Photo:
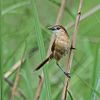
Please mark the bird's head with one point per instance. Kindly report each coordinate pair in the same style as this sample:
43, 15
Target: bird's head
57, 29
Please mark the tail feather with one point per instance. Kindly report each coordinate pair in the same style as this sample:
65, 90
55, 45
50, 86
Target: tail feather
44, 62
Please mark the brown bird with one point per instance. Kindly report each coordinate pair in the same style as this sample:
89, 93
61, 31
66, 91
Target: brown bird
60, 47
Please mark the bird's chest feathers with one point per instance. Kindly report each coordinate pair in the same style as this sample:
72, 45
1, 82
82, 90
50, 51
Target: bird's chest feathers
62, 41
61, 46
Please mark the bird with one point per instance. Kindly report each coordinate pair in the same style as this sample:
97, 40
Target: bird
60, 47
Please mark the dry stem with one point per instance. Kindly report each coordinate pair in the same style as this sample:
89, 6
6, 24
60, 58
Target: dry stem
14, 88
13, 69
18, 92
15, 84
16, 66
69, 62
61, 11
39, 88
87, 14
10, 72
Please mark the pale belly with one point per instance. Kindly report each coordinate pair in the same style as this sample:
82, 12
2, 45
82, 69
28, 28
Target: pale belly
62, 47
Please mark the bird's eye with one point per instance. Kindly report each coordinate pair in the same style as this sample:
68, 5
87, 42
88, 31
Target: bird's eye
58, 28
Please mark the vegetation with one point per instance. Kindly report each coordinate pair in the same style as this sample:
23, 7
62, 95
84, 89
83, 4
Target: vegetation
25, 41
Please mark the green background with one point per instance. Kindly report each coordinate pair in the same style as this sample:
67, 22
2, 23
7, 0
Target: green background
24, 29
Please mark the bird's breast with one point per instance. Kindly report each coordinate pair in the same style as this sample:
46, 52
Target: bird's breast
62, 45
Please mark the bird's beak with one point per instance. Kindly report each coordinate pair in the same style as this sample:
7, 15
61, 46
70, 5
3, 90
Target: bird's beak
51, 28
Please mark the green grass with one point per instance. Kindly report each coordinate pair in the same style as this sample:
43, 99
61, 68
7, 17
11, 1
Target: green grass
24, 23
1, 68
96, 73
37, 31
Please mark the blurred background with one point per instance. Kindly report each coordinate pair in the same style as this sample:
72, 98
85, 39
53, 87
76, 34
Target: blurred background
24, 21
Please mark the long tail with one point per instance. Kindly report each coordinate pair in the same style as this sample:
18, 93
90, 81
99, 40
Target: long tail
44, 62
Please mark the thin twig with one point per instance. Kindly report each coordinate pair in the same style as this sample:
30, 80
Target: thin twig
15, 84
90, 12
67, 9
18, 64
18, 92
10, 72
13, 69
60, 14
39, 88
14, 88
87, 14
69, 62
61, 11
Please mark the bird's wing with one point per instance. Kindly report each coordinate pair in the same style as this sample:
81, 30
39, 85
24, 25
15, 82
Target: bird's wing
53, 46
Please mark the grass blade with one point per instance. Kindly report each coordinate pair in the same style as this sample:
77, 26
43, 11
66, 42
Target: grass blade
85, 83
40, 42
1, 69
95, 73
7, 10
70, 95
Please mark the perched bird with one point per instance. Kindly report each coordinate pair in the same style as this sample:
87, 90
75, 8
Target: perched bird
60, 47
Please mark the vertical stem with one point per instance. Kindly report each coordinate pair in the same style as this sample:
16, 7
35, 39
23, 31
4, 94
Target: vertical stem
71, 53
38, 92
14, 88
61, 11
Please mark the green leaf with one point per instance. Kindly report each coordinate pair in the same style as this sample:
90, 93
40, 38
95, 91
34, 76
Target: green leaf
70, 95
39, 37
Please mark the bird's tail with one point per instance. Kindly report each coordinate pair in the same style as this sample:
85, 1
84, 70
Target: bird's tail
44, 62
